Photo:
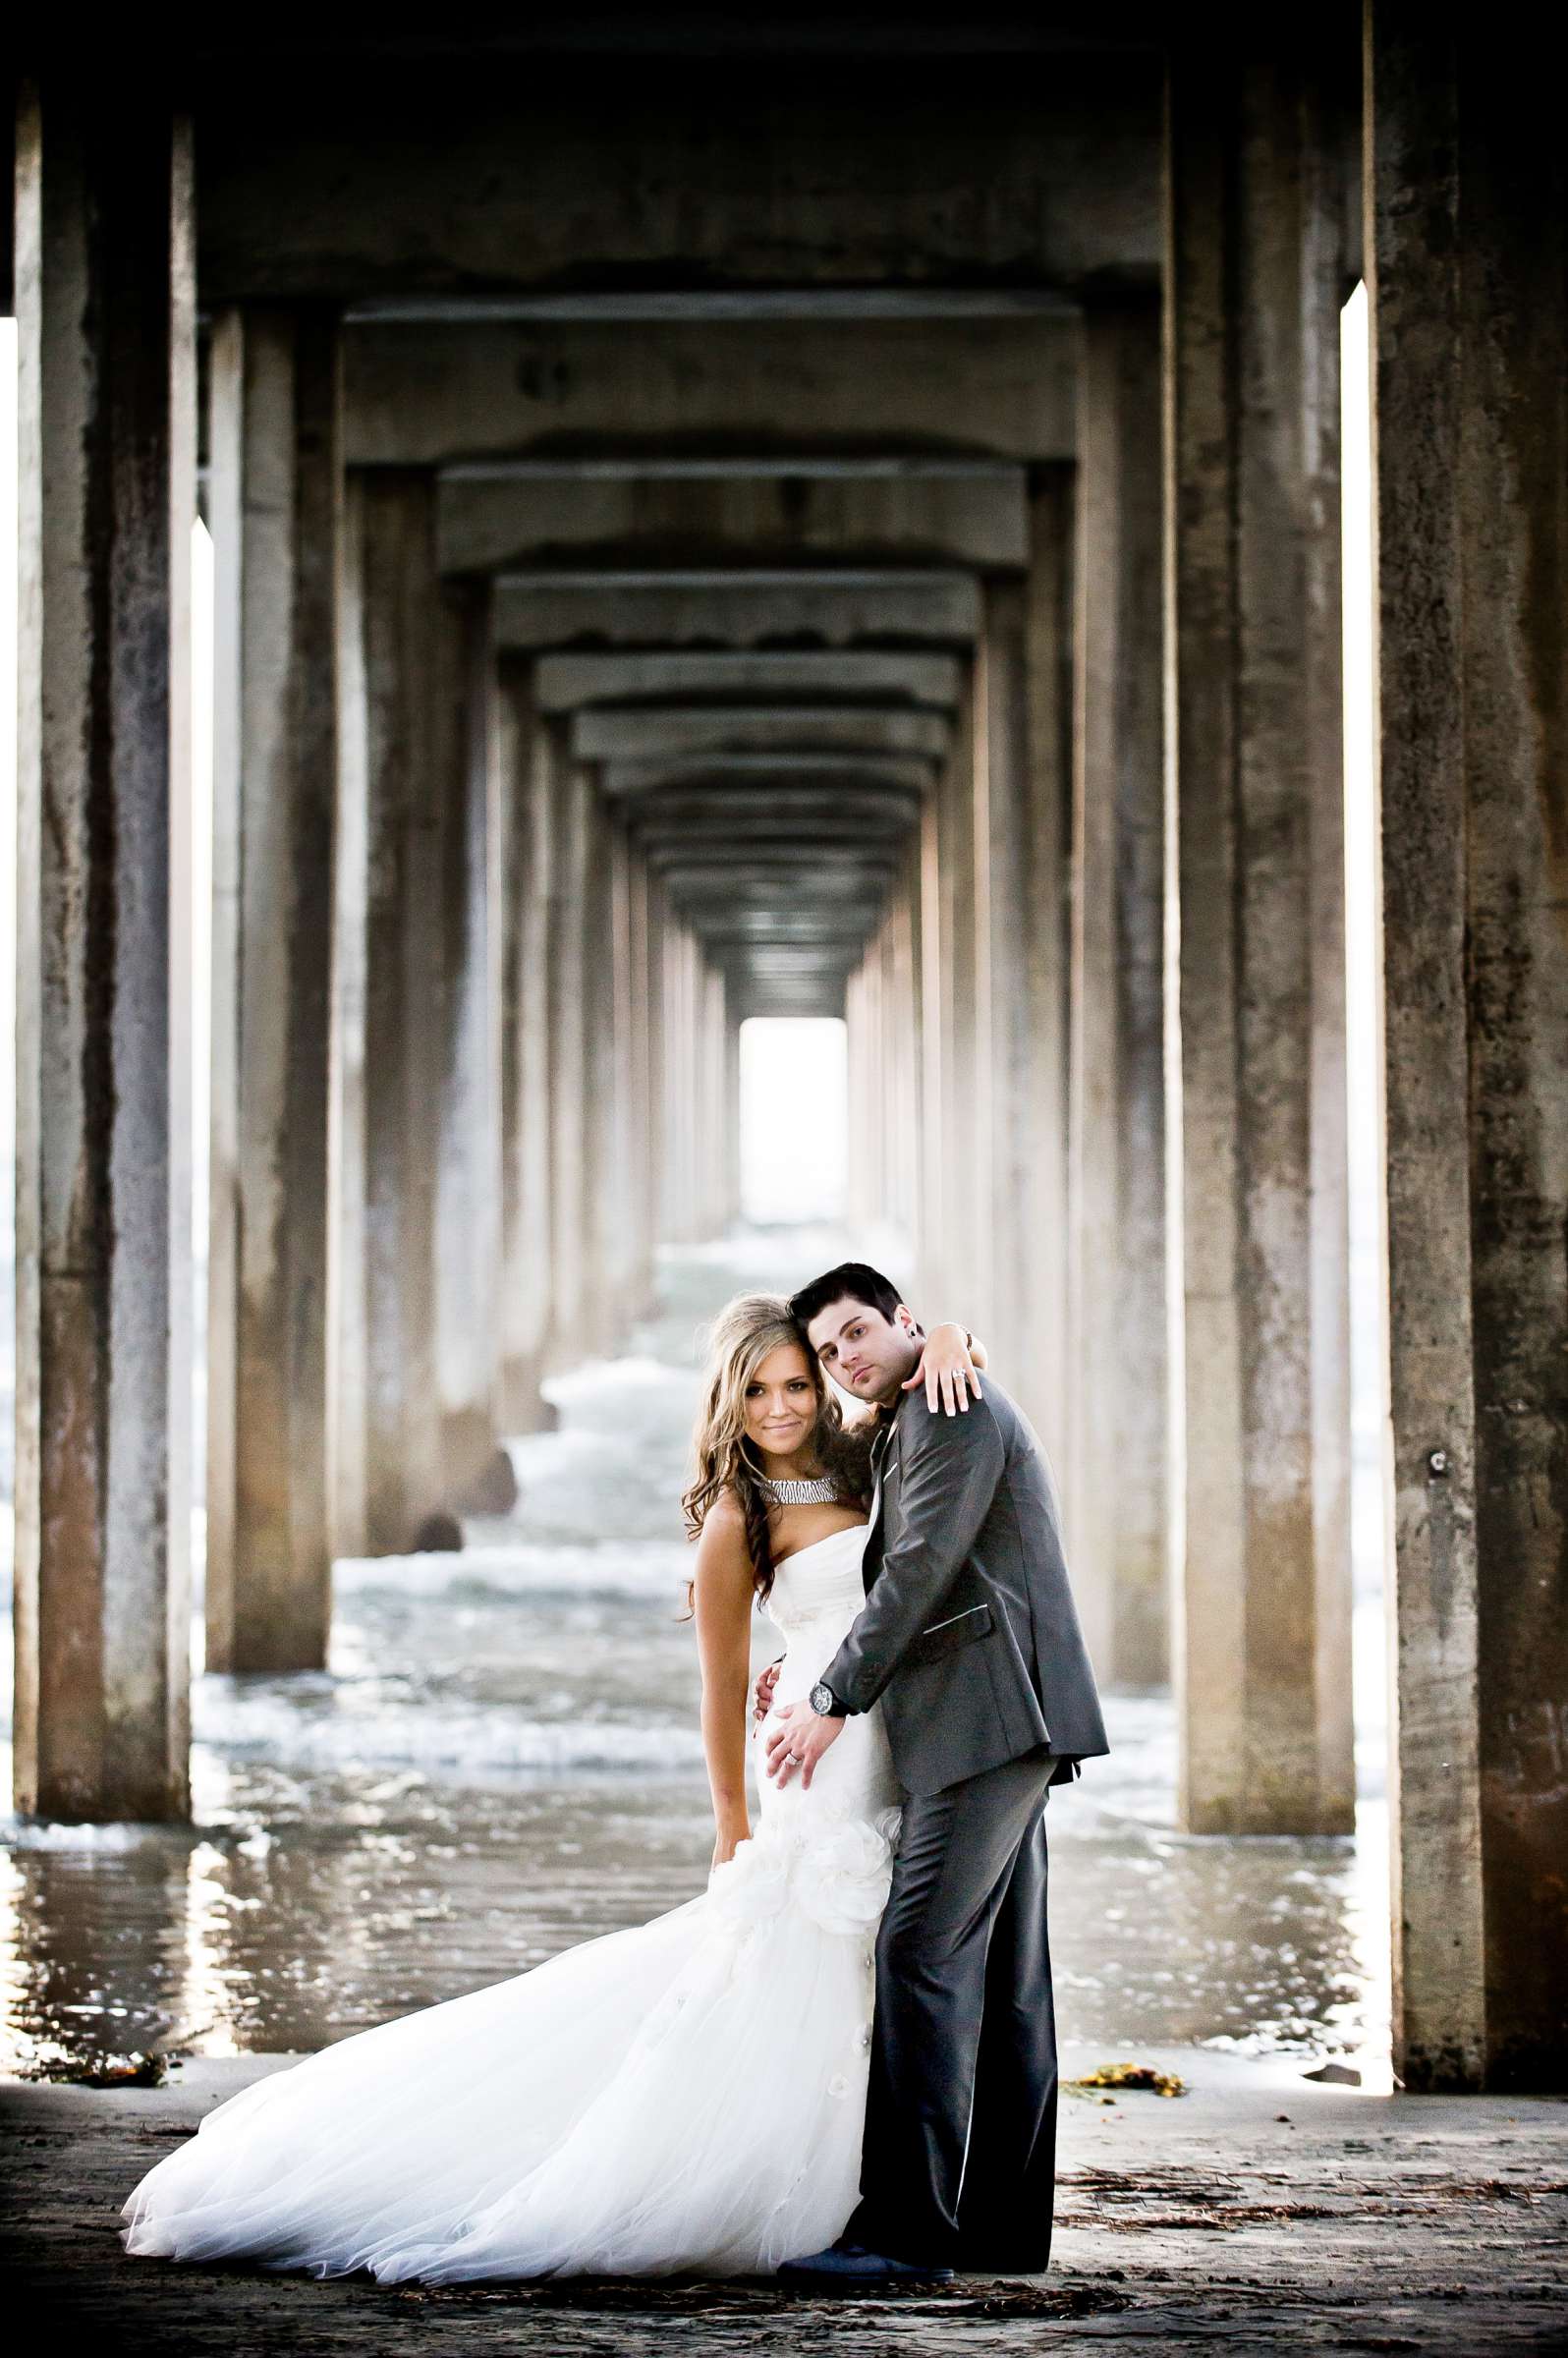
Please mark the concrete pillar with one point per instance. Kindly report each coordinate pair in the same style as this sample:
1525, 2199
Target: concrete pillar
859, 1192
346, 1338
1007, 1047
678, 1170
906, 962
642, 920
276, 507
1048, 729
413, 653
468, 1240
566, 969
656, 1116
715, 1150
628, 1170
605, 1172
732, 1113
106, 445
932, 935
525, 763
1464, 264
955, 1270
1254, 818
1118, 1407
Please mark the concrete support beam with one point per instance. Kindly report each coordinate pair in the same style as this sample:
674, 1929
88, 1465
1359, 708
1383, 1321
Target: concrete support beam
692, 733
757, 609
276, 513
1117, 1471
767, 778
1470, 349
1254, 815
567, 682
495, 516
428, 393
413, 665
106, 502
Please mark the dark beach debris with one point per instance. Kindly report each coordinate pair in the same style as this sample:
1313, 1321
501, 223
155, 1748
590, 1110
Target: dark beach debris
98, 2069
752, 2299
1121, 2076
1335, 2075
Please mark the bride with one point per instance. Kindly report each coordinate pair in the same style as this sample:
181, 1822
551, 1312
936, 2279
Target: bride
687, 2095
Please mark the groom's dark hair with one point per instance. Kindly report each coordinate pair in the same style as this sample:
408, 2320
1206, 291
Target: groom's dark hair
851, 1281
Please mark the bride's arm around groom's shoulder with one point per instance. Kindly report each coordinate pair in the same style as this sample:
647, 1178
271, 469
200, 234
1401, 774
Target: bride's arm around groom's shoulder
949, 1470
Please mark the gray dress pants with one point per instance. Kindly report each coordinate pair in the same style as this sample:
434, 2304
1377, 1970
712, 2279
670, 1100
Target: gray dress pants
957, 2167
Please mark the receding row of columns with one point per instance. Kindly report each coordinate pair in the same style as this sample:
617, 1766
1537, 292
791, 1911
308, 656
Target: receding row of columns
461, 1024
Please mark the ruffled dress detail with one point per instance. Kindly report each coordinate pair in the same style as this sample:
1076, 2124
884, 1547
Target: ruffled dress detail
683, 2096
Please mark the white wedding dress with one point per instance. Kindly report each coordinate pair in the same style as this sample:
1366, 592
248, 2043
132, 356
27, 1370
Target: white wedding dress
685, 2094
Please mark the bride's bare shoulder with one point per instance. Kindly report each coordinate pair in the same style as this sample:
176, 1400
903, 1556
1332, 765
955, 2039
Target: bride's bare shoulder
726, 1512
724, 1524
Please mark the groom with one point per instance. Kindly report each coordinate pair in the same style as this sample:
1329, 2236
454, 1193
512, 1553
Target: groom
969, 1641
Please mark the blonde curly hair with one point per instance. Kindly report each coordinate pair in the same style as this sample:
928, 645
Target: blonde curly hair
744, 1333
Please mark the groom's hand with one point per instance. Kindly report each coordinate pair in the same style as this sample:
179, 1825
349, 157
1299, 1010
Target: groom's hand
766, 1681
799, 1740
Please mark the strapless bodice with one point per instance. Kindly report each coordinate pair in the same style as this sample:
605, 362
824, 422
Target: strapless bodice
820, 1582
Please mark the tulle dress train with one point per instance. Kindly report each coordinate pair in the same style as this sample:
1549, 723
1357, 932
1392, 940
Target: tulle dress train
687, 2095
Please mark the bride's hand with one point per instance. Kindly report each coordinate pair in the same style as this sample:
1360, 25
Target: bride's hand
946, 1368
728, 1840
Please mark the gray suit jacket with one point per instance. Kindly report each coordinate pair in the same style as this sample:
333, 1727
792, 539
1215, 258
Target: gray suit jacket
968, 1634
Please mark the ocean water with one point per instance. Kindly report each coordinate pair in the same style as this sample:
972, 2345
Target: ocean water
503, 1758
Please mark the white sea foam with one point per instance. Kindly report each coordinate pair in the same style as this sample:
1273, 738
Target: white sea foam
21, 1833
642, 1568
261, 1723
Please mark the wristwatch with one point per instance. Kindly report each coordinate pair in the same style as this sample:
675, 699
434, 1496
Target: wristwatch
826, 1702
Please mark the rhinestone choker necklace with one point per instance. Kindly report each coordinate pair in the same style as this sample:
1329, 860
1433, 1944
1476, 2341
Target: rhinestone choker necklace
810, 1489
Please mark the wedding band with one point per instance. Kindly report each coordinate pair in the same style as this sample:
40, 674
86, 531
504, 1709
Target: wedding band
794, 1759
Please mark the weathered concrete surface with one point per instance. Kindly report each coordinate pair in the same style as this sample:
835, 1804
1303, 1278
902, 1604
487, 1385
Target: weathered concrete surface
568, 958
755, 608
693, 732
106, 502
276, 510
433, 392
497, 515
786, 173
1048, 657
1117, 1471
348, 1338
1203, 2223
564, 682
414, 675
1471, 454
1252, 290
525, 1052
468, 1209
777, 773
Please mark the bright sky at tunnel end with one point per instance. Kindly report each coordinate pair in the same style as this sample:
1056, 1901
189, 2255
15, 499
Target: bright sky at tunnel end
794, 1118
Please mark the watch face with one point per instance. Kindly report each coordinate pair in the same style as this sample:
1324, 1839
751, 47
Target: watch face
822, 1700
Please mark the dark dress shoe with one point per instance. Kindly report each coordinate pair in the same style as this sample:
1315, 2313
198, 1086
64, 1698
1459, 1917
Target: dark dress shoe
850, 2265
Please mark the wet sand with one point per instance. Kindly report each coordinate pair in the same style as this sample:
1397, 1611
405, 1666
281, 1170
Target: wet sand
1204, 2224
